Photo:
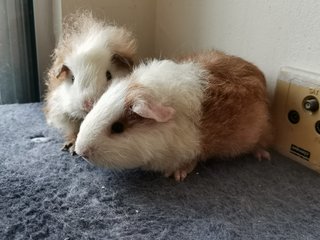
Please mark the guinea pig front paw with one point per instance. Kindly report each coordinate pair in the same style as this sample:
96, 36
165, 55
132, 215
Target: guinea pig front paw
69, 146
262, 154
181, 173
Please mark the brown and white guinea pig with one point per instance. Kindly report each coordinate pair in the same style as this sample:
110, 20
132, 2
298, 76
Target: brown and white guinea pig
89, 55
169, 115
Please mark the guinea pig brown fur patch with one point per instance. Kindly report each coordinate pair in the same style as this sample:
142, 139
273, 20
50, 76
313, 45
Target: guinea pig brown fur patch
232, 86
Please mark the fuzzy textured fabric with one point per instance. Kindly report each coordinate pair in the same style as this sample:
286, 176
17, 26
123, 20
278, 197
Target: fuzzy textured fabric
48, 194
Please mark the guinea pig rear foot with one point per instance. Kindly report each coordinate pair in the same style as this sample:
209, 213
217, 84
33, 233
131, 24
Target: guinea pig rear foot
262, 154
180, 174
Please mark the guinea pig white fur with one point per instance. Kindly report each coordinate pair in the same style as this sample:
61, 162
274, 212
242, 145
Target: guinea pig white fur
89, 55
169, 115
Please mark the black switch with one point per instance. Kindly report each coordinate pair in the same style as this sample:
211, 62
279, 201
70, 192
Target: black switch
311, 104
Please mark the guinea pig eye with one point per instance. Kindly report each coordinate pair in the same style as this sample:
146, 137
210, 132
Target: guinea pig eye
117, 127
108, 75
72, 78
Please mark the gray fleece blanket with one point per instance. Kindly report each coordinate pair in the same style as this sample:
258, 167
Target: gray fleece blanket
48, 194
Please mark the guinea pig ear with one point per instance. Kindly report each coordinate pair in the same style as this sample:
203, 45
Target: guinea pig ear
153, 110
63, 71
122, 61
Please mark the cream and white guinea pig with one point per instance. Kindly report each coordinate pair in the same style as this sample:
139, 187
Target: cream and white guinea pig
89, 55
166, 116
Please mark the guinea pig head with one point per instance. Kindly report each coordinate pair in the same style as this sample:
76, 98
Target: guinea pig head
94, 58
127, 128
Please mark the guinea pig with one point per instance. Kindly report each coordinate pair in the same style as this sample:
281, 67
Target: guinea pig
169, 115
89, 55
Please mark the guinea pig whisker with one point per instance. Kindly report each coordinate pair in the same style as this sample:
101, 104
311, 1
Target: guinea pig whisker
87, 161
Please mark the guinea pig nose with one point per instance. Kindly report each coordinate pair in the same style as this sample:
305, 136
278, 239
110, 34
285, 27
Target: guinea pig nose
87, 105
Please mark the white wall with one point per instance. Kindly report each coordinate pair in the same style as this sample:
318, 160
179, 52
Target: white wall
137, 15
270, 33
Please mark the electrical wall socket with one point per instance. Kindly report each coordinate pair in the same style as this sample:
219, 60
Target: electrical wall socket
296, 116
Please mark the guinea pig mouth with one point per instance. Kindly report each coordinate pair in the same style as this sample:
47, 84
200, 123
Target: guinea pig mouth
87, 154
